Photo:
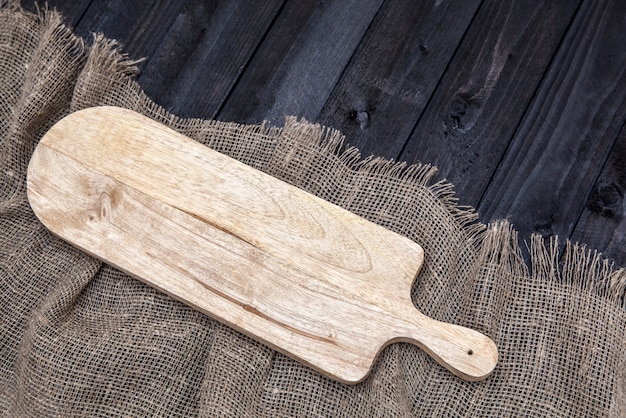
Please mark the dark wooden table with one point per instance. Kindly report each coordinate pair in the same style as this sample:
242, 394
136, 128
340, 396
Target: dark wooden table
521, 104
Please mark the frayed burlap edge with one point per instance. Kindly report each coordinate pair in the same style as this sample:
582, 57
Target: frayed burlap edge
575, 266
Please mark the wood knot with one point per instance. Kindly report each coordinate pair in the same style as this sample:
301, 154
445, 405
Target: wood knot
360, 116
606, 199
107, 202
458, 107
457, 110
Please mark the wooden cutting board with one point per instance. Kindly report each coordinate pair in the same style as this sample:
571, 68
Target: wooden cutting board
293, 271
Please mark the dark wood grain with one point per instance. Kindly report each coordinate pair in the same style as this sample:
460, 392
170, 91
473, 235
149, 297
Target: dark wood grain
487, 87
547, 174
300, 61
138, 25
602, 225
195, 49
394, 72
196, 66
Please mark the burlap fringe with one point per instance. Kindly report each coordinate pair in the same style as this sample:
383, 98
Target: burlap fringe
54, 29
574, 265
50, 20
580, 267
500, 247
106, 56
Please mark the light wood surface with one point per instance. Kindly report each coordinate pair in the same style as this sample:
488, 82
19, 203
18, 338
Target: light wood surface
295, 272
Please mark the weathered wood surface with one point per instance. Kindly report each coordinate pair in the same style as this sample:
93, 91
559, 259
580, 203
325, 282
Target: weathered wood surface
529, 94
73, 10
300, 274
205, 52
483, 94
602, 225
554, 159
392, 75
297, 76
137, 24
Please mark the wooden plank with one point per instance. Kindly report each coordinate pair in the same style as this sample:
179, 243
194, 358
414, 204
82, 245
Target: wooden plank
602, 225
485, 91
204, 53
288, 268
188, 71
138, 25
557, 153
71, 10
394, 72
300, 61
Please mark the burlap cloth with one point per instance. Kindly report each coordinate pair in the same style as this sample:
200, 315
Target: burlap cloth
79, 338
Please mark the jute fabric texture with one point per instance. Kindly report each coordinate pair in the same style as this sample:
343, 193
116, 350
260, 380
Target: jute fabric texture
79, 338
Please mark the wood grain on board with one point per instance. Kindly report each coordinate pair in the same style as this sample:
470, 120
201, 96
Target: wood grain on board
486, 89
392, 75
277, 263
548, 172
300, 60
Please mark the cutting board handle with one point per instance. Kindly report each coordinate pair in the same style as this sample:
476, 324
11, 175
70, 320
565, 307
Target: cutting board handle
467, 353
